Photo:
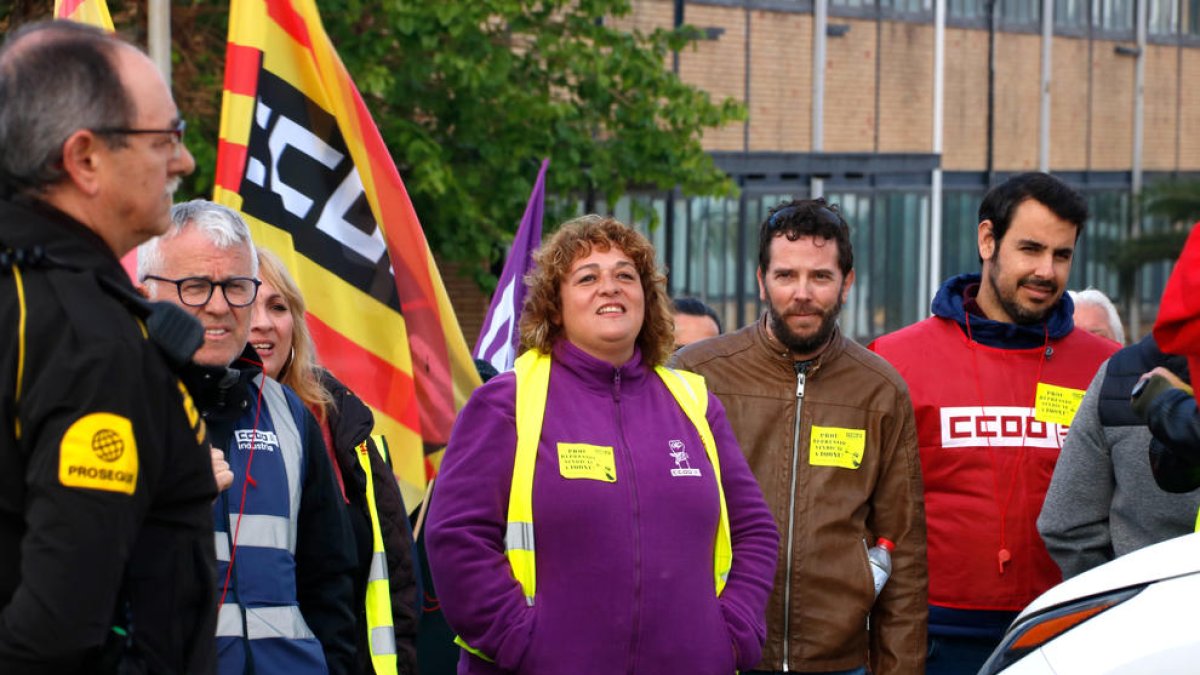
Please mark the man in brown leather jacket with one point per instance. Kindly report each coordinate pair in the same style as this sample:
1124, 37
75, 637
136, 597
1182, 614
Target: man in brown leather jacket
829, 432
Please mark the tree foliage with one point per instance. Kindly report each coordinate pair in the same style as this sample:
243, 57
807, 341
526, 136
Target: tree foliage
470, 95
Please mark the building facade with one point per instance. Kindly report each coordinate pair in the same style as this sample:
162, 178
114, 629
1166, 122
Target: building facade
906, 136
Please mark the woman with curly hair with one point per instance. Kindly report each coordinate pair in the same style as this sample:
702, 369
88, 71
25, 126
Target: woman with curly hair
594, 513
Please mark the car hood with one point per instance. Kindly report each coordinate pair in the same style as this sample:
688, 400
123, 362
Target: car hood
1171, 558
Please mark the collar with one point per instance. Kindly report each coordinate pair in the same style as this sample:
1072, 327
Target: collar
590, 369
224, 390
956, 299
67, 242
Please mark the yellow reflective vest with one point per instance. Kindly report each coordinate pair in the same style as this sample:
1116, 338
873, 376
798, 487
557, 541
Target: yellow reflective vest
532, 370
381, 634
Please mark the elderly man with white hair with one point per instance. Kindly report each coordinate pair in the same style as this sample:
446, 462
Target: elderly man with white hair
283, 541
1095, 313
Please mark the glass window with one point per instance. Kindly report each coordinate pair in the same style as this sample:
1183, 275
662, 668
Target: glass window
966, 9
1162, 17
1115, 15
1193, 17
1020, 11
1070, 14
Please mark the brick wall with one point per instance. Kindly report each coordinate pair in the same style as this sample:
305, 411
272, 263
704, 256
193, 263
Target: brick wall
850, 88
1161, 111
1189, 131
1068, 104
470, 304
780, 82
965, 108
1111, 108
905, 87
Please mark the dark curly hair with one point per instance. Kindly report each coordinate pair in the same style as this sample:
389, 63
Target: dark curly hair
541, 318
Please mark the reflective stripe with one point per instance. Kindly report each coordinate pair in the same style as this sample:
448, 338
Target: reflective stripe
383, 640
519, 537
378, 567
289, 439
221, 542
263, 622
378, 601
261, 531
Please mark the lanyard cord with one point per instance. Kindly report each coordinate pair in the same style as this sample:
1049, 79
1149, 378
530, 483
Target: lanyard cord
245, 484
1003, 555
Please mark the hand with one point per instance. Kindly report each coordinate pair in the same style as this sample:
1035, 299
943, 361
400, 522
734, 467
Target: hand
221, 471
1167, 375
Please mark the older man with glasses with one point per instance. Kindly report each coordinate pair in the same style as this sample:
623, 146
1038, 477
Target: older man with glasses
106, 481
284, 547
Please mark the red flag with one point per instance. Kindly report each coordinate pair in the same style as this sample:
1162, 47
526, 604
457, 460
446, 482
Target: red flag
301, 158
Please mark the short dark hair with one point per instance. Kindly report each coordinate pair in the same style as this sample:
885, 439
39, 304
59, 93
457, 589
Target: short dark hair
695, 307
56, 77
1001, 202
806, 217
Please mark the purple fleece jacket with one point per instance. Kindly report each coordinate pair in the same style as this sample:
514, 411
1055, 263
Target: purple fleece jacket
624, 568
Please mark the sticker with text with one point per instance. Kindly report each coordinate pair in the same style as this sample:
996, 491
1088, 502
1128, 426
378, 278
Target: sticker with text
587, 462
835, 446
1056, 404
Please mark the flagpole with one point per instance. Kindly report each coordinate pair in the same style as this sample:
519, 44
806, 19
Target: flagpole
158, 39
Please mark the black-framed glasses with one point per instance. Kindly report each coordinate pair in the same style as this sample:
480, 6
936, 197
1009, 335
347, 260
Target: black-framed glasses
197, 291
176, 131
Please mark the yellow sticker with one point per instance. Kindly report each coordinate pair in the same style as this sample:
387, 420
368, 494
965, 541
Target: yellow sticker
1057, 405
590, 462
835, 446
99, 452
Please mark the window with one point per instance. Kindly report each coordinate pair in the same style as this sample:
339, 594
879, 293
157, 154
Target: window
1070, 14
968, 9
1114, 15
1162, 17
1022, 12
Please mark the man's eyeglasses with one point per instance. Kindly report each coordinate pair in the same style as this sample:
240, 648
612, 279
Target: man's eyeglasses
176, 131
197, 291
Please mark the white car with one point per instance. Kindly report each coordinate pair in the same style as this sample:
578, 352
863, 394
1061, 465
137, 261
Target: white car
1136, 615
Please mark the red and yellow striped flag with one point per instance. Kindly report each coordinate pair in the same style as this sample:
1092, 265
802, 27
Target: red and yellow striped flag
301, 158
94, 12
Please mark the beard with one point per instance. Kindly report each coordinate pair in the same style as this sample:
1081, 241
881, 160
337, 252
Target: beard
800, 344
1007, 297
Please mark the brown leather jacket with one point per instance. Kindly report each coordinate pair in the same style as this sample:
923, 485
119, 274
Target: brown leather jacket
829, 497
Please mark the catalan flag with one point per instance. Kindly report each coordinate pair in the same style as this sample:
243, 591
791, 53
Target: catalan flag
94, 12
301, 158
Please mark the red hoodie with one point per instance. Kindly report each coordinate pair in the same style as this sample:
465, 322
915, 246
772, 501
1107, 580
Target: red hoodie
1177, 329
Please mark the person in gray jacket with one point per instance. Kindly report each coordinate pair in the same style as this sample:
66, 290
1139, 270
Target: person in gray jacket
1103, 501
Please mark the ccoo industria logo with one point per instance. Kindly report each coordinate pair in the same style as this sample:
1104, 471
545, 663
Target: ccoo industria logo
998, 427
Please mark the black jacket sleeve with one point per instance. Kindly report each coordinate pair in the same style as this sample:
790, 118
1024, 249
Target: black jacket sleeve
325, 558
1175, 450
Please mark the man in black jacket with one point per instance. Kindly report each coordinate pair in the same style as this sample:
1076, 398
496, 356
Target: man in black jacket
284, 548
106, 480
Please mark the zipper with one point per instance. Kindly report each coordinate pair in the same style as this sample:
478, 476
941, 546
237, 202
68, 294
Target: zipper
801, 375
635, 619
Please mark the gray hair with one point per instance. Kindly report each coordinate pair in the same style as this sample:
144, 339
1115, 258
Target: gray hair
56, 77
220, 224
1094, 297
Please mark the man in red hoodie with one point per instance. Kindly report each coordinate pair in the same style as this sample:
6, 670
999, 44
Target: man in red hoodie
996, 375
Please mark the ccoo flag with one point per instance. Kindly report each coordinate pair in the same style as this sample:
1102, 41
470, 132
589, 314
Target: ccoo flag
94, 12
498, 339
301, 158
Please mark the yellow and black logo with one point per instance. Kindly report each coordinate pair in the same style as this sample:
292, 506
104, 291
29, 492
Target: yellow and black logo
99, 452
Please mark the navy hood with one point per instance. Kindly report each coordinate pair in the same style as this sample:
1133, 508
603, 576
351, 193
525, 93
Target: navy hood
948, 304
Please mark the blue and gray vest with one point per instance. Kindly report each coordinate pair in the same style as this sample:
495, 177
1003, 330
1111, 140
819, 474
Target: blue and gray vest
260, 619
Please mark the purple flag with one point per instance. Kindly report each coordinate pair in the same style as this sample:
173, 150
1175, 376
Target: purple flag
498, 340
